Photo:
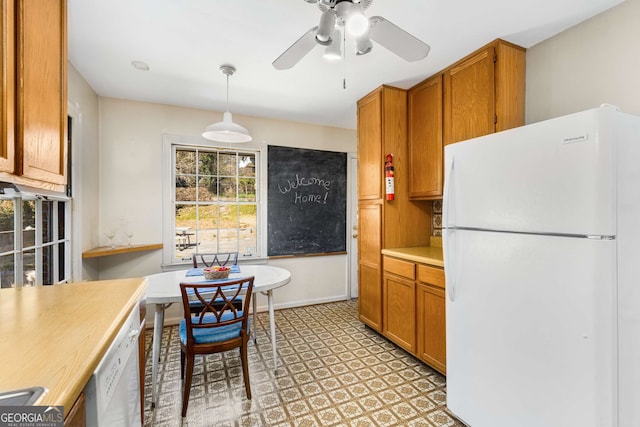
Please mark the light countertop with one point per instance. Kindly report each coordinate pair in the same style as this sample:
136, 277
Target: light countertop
55, 336
431, 255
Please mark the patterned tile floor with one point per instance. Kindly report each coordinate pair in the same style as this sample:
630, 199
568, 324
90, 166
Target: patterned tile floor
332, 371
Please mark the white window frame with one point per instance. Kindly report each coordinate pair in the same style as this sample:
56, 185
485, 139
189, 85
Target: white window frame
18, 198
170, 142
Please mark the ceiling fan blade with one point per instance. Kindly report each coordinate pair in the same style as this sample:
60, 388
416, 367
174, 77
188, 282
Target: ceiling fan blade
297, 50
397, 40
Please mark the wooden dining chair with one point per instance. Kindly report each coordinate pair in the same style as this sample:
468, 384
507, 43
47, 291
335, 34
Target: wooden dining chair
201, 260
217, 328
211, 259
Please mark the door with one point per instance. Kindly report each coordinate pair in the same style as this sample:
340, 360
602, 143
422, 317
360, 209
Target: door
530, 329
353, 226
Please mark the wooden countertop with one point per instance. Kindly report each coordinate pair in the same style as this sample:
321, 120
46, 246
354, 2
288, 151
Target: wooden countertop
431, 255
55, 336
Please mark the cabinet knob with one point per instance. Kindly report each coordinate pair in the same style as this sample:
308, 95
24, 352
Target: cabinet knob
355, 235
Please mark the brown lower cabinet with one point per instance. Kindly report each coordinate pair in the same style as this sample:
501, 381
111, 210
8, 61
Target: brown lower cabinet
76, 417
413, 309
431, 317
398, 293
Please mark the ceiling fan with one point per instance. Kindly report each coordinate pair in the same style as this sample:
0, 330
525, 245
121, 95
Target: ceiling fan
349, 14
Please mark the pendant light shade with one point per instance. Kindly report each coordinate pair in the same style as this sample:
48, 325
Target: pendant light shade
226, 130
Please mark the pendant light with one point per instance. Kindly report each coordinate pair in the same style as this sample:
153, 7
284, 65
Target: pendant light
226, 130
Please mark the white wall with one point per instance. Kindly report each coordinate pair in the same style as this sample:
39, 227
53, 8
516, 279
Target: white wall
131, 179
83, 107
595, 62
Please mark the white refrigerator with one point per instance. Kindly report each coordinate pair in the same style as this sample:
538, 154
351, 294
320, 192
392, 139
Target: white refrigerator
541, 240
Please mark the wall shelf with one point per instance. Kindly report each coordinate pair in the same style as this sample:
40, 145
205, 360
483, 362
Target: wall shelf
122, 249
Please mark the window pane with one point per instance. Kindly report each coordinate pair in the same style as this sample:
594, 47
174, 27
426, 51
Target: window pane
248, 229
7, 221
228, 230
185, 216
185, 188
208, 216
62, 271
207, 163
185, 226
208, 189
247, 189
228, 241
228, 189
185, 162
6, 271
61, 221
47, 265
227, 166
29, 267
247, 165
28, 224
47, 213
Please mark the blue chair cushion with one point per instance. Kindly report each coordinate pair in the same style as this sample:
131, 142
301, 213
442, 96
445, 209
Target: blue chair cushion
213, 335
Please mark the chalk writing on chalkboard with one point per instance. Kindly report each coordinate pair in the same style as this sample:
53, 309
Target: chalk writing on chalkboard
306, 201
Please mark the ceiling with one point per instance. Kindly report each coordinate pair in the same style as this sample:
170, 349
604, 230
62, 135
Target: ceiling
184, 42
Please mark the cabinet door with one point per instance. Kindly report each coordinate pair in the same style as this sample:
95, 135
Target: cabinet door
7, 84
370, 147
431, 329
425, 139
399, 308
470, 98
42, 93
76, 417
369, 265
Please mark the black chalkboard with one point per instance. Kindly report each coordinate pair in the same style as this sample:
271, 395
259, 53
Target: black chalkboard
307, 201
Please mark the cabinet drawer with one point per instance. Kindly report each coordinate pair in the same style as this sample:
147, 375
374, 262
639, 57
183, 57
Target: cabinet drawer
401, 268
432, 275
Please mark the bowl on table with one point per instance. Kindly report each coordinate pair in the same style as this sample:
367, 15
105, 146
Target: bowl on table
216, 273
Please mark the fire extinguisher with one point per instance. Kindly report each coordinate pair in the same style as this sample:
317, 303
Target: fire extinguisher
388, 177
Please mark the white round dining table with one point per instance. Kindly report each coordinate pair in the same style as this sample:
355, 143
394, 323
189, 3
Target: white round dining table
163, 289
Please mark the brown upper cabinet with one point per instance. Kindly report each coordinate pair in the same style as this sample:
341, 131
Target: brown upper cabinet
34, 113
370, 132
478, 95
425, 139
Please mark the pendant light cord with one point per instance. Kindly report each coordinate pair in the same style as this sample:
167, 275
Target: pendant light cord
227, 93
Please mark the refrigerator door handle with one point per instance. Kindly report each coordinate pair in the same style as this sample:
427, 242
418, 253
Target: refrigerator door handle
448, 232
450, 282
448, 178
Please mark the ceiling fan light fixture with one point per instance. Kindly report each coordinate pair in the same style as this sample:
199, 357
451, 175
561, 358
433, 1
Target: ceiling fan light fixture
357, 24
226, 130
326, 27
333, 52
363, 45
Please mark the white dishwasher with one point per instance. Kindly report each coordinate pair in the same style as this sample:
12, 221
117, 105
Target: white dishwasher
113, 392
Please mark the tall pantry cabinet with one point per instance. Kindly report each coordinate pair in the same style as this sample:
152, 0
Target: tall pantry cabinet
382, 130
33, 103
